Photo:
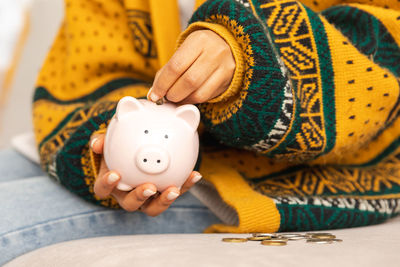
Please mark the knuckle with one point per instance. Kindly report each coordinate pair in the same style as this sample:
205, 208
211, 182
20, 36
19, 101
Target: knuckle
200, 97
220, 51
127, 205
140, 198
98, 192
191, 80
174, 67
202, 35
231, 66
225, 48
186, 187
172, 97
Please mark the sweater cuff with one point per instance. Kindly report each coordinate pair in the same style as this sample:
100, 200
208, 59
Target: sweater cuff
237, 52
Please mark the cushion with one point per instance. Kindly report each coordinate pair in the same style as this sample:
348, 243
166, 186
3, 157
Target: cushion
377, 245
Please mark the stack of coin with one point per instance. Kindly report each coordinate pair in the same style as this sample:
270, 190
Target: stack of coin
322, 238
281, 239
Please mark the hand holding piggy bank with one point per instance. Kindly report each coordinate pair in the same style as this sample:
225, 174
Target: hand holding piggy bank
150, 143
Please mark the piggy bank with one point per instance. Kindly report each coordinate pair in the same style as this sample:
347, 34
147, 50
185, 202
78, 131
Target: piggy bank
150, 143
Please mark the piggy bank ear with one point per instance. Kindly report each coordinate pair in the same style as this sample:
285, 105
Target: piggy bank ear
127, 105
190, 114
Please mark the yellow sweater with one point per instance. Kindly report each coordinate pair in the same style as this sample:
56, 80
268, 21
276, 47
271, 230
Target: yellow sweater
307, 135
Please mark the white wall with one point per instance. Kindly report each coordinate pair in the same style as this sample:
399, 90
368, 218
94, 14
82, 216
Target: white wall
45, 18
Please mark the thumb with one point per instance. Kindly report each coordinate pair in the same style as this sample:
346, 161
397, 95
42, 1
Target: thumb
97, 143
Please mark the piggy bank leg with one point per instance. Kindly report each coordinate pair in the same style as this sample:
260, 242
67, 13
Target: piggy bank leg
124, 187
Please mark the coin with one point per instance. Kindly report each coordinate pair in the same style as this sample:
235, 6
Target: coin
160, 101
292, 237
319, 241
279, 239
273, 243
323, 236
264, 235
258, 238
234, 240
311, 234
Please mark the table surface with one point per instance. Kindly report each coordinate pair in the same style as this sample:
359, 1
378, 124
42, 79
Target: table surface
377, 245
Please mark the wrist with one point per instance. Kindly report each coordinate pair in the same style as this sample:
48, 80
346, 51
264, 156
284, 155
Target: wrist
224, 33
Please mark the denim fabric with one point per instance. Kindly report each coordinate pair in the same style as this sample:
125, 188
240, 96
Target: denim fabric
36, 212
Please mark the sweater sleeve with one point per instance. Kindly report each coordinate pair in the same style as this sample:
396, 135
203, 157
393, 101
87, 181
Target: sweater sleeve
94, 61
308, 85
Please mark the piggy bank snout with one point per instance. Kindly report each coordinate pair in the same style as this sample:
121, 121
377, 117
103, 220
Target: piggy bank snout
152, 159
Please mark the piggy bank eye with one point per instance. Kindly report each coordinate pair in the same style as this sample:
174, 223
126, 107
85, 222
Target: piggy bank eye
146, 131
166, 136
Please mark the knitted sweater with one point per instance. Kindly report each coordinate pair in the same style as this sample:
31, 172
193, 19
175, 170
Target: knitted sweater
307, 135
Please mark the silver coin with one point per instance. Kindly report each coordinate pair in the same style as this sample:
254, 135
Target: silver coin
319, 234
258, 238
265, 235
319, 241
323, 241
293, 237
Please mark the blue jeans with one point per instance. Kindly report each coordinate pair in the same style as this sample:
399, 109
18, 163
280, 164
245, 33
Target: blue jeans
36, 212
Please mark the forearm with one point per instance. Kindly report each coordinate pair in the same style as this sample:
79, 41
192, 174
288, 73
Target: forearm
90, 66
305, 91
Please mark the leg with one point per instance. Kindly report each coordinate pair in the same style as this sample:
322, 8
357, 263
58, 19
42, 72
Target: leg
14, 166
37, 212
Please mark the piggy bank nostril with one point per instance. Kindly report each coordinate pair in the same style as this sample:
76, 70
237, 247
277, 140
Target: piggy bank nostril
152, 159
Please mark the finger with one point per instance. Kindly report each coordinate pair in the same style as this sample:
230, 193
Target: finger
103, 168
134, 199
198, 73
106, 183
183, 58
194, 177
97, 143
151, 88
161, 203
213, 87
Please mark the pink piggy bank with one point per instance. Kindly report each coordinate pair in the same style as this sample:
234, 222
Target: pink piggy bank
150, 143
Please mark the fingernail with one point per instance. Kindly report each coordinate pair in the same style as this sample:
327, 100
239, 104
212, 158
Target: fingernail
196, 178
148, 93
172, 195
152, 96
148, 192
94, 140
112, 178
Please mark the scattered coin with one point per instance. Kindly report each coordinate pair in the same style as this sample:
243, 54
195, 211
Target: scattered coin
321, 235
323, 241
265, 235
160, 101
293, 237
274, 239
258, 238
319, 241
234, 240
275, 242
281, 239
